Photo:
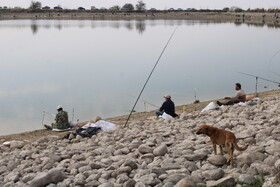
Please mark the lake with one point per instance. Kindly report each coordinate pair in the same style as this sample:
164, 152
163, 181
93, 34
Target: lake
98, 67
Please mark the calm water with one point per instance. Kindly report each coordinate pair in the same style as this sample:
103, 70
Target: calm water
99, 67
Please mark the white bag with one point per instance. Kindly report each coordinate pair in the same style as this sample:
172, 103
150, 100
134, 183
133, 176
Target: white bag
210, 106
165, 116
106, 126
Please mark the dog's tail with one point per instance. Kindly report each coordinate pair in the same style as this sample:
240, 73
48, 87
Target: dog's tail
239, 148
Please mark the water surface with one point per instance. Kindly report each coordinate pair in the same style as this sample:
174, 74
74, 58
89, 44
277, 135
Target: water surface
99, 67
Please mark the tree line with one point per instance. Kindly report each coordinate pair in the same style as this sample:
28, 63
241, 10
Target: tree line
36, 6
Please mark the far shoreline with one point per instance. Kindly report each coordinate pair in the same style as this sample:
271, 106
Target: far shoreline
237, 17
120, 120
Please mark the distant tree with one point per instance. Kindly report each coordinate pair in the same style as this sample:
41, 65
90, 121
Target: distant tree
35, 5
140, 6
116, 7
235, 9
238, 10
93, 8
81, 8
58, 7
226, 9
128, 7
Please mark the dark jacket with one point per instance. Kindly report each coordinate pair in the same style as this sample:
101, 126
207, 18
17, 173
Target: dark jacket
169, 108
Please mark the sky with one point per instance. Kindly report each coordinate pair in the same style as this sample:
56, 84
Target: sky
159, 4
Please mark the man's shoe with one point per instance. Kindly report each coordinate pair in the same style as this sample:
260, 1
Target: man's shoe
48, 127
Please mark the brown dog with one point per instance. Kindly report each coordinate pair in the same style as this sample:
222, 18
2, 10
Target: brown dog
222, 138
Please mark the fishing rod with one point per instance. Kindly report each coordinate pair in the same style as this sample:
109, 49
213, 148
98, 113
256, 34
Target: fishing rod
150, 75
45, 112
48, 113
73, 113
145, 101
43, 119
258, 77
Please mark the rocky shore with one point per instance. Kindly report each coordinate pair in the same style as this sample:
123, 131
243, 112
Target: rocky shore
154, 152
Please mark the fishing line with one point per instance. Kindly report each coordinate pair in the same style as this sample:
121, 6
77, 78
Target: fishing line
269, 63
257, 78
150, 76
278, 83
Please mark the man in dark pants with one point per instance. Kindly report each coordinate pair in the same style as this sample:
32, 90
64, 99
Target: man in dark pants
168, 107
239, 96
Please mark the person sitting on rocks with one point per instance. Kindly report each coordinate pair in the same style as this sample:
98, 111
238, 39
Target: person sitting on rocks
168, 107
61, 120
239, 96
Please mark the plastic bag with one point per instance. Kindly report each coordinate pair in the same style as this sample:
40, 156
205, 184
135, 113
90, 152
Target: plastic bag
106, 126
165, 116
210, 106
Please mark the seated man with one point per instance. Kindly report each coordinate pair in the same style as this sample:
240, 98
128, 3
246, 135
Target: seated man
168, 107
61, 120
239, 96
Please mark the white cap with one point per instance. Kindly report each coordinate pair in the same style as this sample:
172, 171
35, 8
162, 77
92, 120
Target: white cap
167, 96
59, 107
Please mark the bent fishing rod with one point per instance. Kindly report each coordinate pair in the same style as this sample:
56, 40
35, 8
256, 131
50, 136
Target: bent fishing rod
258, 77
150, 76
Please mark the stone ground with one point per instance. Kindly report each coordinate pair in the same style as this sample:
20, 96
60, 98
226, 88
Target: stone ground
154, 152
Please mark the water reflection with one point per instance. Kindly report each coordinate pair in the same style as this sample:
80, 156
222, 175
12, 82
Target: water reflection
263, 23
34, 27
139, 25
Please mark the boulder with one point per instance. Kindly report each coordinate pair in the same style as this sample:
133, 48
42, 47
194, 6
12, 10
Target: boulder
185, 183
195, 157
217, 160
277, 165
226, 181
247, 179
41, 180
170, 166
145, 149
131, 163
129, 183
213, 174
174, 178
17, 144
56, 175
160, 150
